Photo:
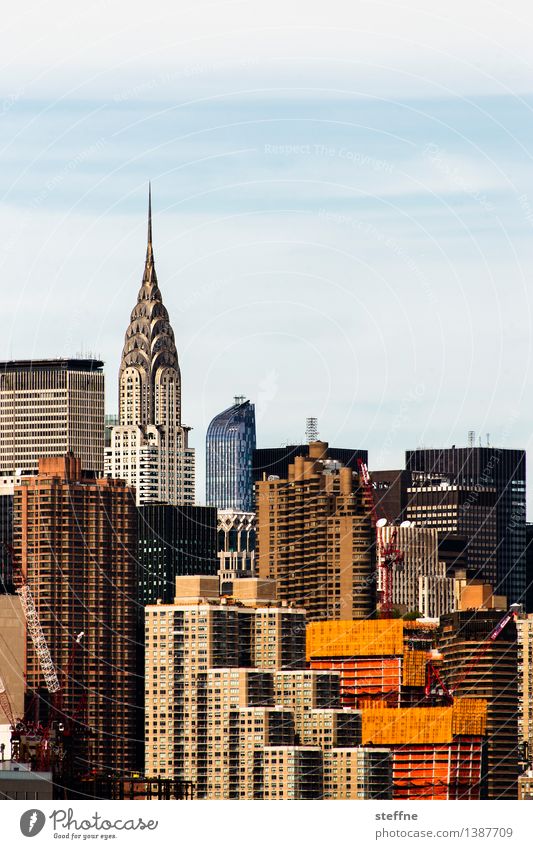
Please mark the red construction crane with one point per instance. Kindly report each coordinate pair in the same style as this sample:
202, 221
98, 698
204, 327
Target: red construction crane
389, 556
39, 733
5, 704
433, 675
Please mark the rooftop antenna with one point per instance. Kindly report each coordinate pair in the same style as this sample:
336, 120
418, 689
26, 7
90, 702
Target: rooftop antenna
488, 440
311, 429
471, 438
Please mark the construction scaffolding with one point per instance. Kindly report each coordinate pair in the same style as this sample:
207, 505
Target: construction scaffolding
359, 638
424, 724
414, 668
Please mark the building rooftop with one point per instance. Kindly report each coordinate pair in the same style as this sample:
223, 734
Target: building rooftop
70, 364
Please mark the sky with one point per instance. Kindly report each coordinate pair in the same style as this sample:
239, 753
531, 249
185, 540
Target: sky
343, 208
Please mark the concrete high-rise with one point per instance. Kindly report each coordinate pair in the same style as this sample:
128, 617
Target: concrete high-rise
315, 537
75, 539
483, 469
50, 407
524, 628
493, 678
149, 448
229, 447
423, 583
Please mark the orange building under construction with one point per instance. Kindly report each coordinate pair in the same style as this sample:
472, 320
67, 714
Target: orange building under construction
379, 660
438, 752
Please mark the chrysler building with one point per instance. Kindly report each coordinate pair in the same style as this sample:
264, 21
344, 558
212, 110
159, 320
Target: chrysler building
149, 447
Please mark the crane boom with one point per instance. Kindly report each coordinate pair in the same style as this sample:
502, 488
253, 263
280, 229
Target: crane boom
5, 704
34, 627
38, 639
433, 673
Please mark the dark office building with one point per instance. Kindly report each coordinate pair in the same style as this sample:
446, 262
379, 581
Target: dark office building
529, 567
6, 536
390, 493
457, 510
276, 461
505, 470
174, 541
493, 677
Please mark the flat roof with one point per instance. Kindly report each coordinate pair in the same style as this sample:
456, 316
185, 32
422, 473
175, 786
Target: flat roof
69, 364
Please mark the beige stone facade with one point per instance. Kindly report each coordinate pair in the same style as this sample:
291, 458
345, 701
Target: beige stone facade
229, 703
315, 538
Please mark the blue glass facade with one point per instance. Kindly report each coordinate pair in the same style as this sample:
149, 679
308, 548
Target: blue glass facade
230, 443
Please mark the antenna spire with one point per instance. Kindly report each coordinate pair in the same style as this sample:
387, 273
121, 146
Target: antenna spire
149, 250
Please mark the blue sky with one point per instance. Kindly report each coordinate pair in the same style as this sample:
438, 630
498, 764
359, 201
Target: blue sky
343, 223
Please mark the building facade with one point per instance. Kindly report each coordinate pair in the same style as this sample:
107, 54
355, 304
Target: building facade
463, 511
493, 678
75, 539
481, 470
315, 538
172, 542
229, 447
149, 448
422, 583
231, 707
236, 533
524, 629
50, 407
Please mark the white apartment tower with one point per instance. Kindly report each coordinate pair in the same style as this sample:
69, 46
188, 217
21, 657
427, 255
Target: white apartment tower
149, 447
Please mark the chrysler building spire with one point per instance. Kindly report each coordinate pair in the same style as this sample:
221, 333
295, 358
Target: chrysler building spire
149, 447
149, 376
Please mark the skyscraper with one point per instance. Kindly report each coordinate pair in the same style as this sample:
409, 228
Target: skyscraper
149, 448
229, 446
74, 538
480, 470
172, 542
315, 537
50, 407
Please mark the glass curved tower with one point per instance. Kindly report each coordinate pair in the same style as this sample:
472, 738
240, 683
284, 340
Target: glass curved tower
230, 443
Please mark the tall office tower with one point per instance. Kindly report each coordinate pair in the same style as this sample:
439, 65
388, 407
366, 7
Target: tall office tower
315, 538
236, 533
423, 583
529, 567
75, 540
172, 542
149, 448
494, 678
6, 536
50, 407
230, 706
229, 447
504, 470
459, 510
524, 629
390, 493
276, 461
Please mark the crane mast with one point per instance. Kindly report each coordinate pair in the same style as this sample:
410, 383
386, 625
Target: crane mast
389, 555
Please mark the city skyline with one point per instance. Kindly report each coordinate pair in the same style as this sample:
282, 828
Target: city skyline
335, 210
